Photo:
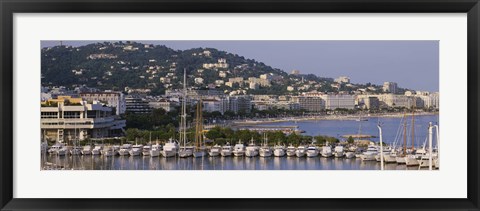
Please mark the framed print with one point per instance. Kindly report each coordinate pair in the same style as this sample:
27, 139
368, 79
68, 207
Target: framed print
187, 105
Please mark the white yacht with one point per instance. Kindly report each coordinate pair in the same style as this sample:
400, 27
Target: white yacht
239, 149
156, 149
338, 152
370, 154
87, 150
388, 157
169, 149
312, 151
279, 150
349, 155
326, 151
215, 150
400, 159
265, 150
108, 151
291, 151
54, 149
227, 150
411, 160
97, 149
136, 150
146, 150
125, 149
77, 150
251, 150
301, 151
185, 151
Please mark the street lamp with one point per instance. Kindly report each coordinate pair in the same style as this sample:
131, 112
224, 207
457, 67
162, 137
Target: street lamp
381, 146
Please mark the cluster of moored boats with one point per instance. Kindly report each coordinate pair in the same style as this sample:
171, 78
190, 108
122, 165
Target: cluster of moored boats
413, 157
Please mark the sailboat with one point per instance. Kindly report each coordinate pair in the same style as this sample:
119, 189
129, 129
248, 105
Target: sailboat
251, 150
410, 159
184, 151
401, 157
265, 150
199, 150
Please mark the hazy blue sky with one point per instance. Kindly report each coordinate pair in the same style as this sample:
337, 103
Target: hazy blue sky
412, 64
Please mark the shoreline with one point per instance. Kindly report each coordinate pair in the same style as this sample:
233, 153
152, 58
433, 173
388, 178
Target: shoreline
328, 118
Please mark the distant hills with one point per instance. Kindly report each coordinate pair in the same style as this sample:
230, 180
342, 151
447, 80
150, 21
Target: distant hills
116, 65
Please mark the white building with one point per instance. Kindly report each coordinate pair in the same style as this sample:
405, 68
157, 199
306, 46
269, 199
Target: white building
163, 104
390, 87
66, 119
110, 98
342, 80
334, 101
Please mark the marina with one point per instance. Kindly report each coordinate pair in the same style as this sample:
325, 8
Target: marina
259, 155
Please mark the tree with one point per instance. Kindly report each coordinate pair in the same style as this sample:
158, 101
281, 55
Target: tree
350, 140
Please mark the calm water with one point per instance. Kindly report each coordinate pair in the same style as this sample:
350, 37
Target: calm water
392, 128
331, 128
218, 163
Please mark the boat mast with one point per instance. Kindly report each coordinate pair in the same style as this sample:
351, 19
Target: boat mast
199, 126
413, 124
183, 116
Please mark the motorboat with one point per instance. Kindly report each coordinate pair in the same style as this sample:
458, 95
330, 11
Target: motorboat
349, 155
312, 151
326, 151
54, 149
97, 150
239, 149
185, 151
169, 149
215, 150
146, 150
301, 151
87, 150
76, 150
125, 150
136, 150
279, 150
338, 151
156, 149
370, 154
291, 151
411, 160
108, 151
227, 150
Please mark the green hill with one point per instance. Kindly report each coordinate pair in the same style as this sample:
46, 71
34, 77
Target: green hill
116, 65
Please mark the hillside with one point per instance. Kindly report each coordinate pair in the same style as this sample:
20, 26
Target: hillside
129, 64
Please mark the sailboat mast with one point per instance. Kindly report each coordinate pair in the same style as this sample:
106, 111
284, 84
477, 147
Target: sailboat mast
199, 125
413, 124
183, 122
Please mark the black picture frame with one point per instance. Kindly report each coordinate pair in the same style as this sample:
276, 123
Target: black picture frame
10, 7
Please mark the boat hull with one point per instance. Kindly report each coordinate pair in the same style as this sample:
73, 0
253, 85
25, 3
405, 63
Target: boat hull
226, 153
199, 154
167, 153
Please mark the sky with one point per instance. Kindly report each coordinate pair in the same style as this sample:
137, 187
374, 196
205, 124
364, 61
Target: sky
412, 64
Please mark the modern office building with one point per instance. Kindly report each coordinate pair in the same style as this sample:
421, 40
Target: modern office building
65, 118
